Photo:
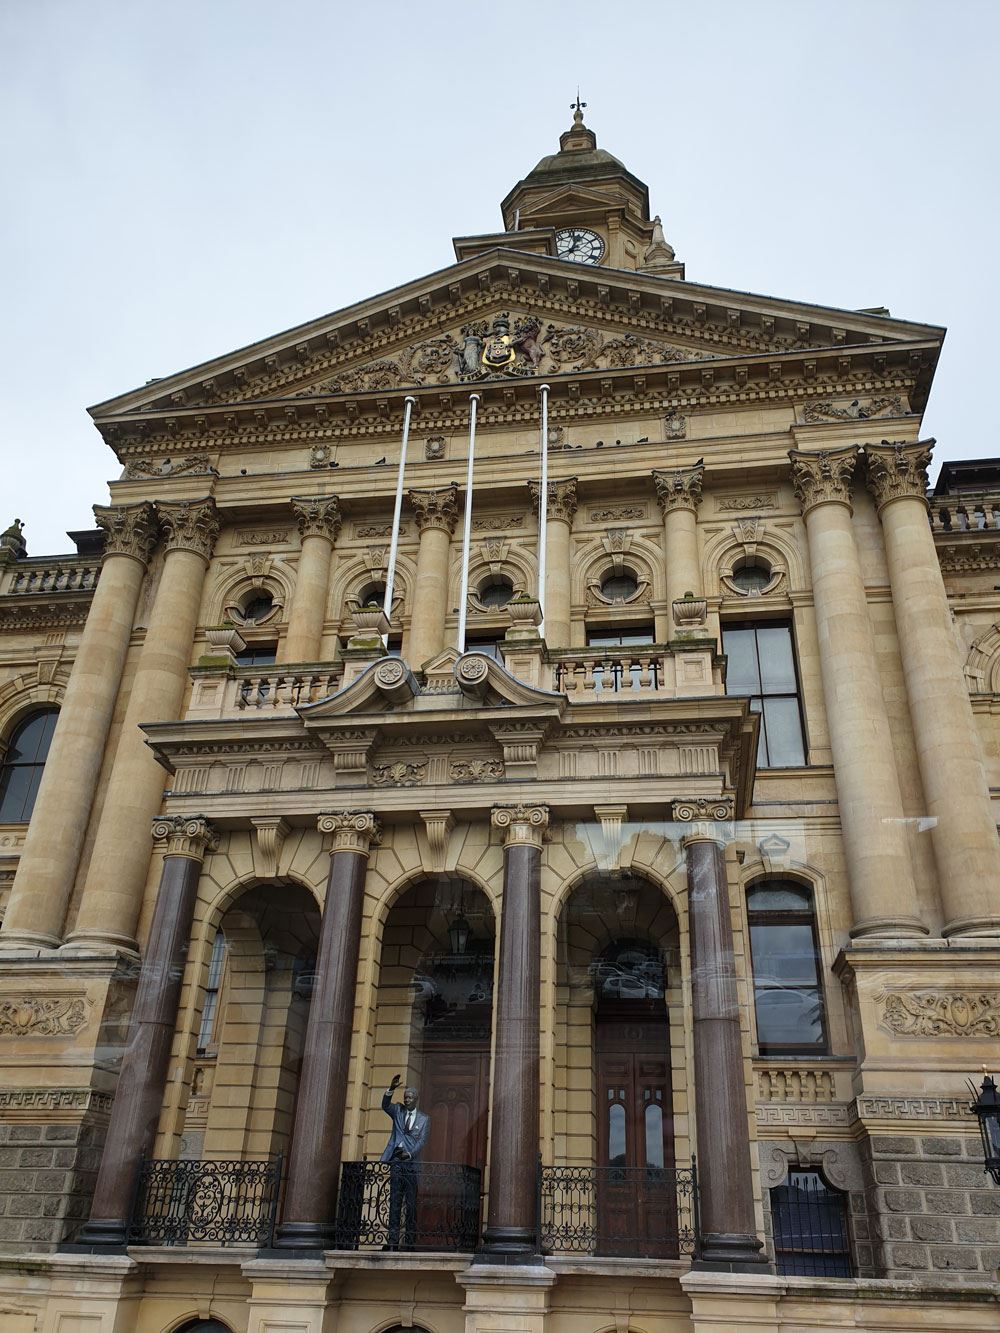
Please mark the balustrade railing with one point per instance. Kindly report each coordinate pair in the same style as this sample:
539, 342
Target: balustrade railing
26, 579
217, 1203
273, 689
591, 673
408, 1206
965, 513
619, 1211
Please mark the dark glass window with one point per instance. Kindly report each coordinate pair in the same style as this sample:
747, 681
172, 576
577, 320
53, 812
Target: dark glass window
761, 667
485, 643
751, 578
260, 604
496, 591
625, 637
788, 998
210, 1009
27, 750
809, 1226
619, 587
258, 654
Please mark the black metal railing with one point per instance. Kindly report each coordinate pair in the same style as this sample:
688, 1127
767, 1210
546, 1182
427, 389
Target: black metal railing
621, 1211
809, 1227
408, 1206
219, 1203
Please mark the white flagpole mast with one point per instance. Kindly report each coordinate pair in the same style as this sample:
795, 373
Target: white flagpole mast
463, 596
543, 504
390, 577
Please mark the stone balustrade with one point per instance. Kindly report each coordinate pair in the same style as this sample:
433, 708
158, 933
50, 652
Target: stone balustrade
586, 674
267, 689
34, 578
965, 513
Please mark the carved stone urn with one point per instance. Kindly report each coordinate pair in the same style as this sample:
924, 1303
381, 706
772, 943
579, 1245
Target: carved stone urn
224, 642
690, 614
525, 615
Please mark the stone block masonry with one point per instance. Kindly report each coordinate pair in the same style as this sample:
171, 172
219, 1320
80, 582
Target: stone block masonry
47, 1175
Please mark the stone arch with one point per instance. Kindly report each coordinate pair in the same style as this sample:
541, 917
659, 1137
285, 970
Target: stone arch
235, 584
771, 858
42, 687
618, 551
353, 572
495, 556
982, 665
195, 1322
751, 538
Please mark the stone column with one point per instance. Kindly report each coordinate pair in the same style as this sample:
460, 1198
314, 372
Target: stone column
51, 854
512, 1225
436, 514
142, 1080
309, 1214
964, 835
868, 795
679, 494
725, 1173
558, 594
318, 518
112, 894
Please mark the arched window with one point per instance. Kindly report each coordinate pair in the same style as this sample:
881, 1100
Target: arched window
21, 773
204, 1326
809, 1226
209, 1013
788, 996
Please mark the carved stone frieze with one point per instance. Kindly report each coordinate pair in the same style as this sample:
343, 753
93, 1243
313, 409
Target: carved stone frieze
128, 529
32, 1100
350, 831
898, 471
398, 773
674, 426
911, 1108
33, 616
42, 1015
185, 835
746, 503
888, 405
562, 499
436, 509
679, 488
618, 514
260, 536
190, 525
521, 825
148, 469
476, 770
317, 516
497, 523
942, 1013
823, 476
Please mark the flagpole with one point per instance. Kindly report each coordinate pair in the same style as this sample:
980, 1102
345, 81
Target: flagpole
463, 596
543, 504
390, 577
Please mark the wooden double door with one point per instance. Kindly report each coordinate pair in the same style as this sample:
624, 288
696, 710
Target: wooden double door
636, 1190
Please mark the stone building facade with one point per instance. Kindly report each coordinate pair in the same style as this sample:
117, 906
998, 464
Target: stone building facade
658, 852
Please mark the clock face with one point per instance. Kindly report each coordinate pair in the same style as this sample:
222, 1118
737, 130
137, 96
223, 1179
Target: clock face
580, 245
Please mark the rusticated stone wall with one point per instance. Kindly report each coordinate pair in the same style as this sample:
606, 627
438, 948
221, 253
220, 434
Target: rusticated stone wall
47, 1175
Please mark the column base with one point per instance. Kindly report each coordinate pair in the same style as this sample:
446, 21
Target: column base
889, 928
508, 1245
101, 1235
297, 1240
973, 927
27, 941
731, 1252
97, 942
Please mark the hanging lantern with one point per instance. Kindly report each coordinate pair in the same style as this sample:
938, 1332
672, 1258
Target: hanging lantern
986, 1109
459, 931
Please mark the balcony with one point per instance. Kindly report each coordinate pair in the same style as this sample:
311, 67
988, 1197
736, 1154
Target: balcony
210, 1203
34, 578
619, 1211
411, 1206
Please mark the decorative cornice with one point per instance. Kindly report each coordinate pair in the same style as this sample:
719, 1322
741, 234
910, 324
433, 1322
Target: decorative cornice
898, 471
679, 488
562, 500
823, 476
43, 615
521, 825
436, 509
185, 835
190, 525
317, 516
350, 831
130, 530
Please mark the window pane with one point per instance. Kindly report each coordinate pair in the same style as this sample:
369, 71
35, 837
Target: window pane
778, 898
789, 1018
783, 954
17, 791
783, 724
30, 741
636, 636
616, 1136
777, 665
741, 674
654, 1135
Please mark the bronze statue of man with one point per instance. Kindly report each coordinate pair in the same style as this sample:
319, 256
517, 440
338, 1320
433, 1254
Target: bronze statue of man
410, 1127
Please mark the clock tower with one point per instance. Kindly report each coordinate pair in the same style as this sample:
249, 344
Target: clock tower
584, 205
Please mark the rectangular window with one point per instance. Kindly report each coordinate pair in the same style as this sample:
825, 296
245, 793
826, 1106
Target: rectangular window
209, 1013
762, 669
258, 654
809, 1226
788, 997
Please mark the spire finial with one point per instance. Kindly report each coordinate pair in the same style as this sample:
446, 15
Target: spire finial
577, 108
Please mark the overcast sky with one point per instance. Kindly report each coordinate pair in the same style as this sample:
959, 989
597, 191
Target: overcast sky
183, 177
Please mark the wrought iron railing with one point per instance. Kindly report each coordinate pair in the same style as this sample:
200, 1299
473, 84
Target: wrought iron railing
621, 1211
219, 1203
408, 1206
809, 1227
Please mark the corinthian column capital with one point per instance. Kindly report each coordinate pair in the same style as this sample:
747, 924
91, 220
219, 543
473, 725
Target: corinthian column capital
679, 487
350, 831
521, 825
128, 529
823, 476
562, 499
436, 509
317, 515
185, 835
898, 471
190, 525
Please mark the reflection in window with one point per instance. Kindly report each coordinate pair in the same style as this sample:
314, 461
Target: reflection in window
809, 1225
788, 997
206, 1033
761, 667
616, 1131
654, 1133
23, 765
629, 970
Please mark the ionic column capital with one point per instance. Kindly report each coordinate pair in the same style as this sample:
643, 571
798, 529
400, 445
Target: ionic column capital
185, 835
823, 476
190, 525
521, 825
562, 498
898, 471
679, 487
705, 817
436, 509
130, 530
317, 516
350, 831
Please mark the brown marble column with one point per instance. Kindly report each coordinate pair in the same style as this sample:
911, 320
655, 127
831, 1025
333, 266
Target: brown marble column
143, 1076
511, 1233
729, 1229
309, 1214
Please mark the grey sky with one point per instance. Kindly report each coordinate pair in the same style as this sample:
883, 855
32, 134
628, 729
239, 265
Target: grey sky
184, 178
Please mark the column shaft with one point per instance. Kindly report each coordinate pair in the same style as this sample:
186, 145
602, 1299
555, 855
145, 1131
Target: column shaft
558, 575
51, 855
729, 1228
143, 1076
966, 848
883, 895
305, 621
436, 514
309, 1215
679, 494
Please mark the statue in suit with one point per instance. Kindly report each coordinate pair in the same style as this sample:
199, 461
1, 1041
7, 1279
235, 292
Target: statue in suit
410, 1127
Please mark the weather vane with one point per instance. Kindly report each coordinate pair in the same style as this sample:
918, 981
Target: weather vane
577, 106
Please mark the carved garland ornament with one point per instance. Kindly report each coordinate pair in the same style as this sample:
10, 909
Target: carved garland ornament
128, 529
939, 1014
42, 1016
823, 476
